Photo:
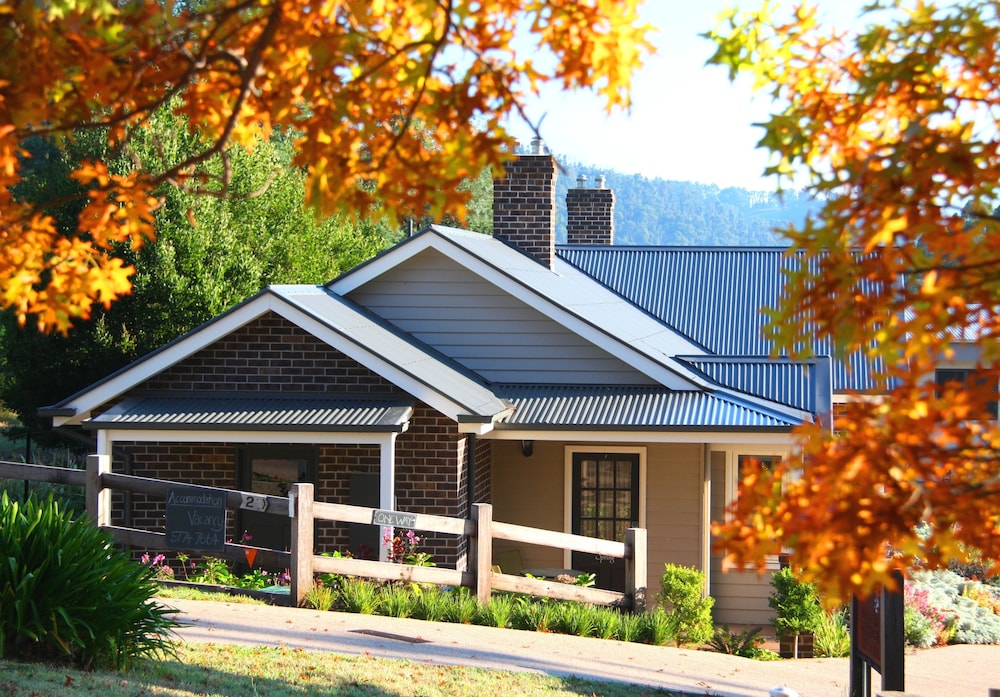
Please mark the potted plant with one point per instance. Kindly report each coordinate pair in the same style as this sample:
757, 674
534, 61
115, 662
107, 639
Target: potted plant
798, 614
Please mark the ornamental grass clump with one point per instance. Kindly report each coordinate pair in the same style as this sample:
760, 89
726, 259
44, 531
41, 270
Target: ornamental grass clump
67, 594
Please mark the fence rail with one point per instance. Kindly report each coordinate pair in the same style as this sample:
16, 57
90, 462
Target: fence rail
302, 561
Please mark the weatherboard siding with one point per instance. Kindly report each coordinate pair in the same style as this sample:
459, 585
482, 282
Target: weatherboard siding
740, 596
484, 328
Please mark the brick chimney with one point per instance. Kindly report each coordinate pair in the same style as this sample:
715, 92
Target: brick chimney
590, 213
524, 204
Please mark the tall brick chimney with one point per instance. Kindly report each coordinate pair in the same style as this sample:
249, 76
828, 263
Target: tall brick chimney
590, 213
524, 204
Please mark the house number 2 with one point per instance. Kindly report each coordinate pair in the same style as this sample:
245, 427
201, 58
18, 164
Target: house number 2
254, 503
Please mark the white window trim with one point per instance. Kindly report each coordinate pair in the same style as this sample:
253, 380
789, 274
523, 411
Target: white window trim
572, 450
732, 483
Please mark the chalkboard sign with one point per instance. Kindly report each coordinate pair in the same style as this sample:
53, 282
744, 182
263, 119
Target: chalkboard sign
394, 519
196, 519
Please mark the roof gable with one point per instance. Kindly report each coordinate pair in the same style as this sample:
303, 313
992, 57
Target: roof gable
426, 376
563, 295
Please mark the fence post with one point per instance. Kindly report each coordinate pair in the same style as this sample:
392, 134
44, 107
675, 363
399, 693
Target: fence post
482, 551
98, 497
300, 509
635, 567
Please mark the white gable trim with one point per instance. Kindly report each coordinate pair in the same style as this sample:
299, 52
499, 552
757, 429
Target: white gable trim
82, 403
145, 368
665, 371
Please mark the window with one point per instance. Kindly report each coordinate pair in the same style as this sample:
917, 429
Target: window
964, 378
759, 463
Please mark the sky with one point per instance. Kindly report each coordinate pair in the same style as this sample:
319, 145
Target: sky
687, 122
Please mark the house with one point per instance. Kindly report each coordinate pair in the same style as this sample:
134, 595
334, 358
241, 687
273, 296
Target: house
582, 387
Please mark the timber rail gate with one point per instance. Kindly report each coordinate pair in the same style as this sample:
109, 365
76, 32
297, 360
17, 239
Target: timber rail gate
302, 562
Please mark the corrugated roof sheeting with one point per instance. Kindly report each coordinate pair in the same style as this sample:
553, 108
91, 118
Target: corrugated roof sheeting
785, 382
256, 412
714, 295
631, 407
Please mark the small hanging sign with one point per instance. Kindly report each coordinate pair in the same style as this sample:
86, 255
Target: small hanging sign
250, 554
196, 519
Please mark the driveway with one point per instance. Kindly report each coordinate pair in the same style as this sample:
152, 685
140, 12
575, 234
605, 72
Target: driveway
953, 671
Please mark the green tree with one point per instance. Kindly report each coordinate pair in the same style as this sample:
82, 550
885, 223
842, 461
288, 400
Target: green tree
212, 252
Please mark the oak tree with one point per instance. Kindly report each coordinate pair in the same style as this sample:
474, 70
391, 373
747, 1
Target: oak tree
383, 96
895, 129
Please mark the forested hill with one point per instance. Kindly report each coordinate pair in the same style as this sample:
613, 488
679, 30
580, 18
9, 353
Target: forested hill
659, 212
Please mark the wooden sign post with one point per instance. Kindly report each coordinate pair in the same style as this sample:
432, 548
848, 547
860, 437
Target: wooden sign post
877, 640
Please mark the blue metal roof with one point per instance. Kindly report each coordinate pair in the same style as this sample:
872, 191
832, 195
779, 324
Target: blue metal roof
629, 407
714, 295
786, 382
258, 411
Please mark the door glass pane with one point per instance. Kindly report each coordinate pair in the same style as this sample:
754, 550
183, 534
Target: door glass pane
607, 507
605, 529
623, 474
588, 528
623, 509
607, 474
588, 474
588, 504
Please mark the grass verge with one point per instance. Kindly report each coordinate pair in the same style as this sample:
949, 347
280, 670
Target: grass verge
208, 670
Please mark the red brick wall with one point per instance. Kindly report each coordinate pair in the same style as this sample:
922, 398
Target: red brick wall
272, 354
590, 216
524, 206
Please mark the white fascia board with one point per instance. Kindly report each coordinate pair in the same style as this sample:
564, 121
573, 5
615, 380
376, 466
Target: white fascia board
476, 428
406, 381
158, 361
429, 239
139, 435
782, 438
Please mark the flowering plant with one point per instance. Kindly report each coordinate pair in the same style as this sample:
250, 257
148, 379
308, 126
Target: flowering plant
159, 565
403, 549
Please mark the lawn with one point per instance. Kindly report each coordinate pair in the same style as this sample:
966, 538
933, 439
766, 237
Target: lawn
230, 671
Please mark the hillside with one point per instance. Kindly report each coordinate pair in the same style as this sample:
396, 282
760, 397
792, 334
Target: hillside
659, 212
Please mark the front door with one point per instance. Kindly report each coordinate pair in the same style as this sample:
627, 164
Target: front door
605, 505
272, 470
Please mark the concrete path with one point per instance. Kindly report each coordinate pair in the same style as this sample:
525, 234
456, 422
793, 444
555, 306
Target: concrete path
953, 671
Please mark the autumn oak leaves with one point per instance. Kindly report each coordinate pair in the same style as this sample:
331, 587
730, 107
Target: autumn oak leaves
895, 129
395, 99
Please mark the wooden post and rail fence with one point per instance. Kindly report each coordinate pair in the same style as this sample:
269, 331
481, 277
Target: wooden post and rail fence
302, 562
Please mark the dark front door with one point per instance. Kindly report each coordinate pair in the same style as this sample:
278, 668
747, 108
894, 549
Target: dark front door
605, 505
272, 470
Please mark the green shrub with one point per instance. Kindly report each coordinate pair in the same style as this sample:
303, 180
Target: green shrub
66, 593
966, 620
682, 596
746, 643
917, 629
832, 637
796, 604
